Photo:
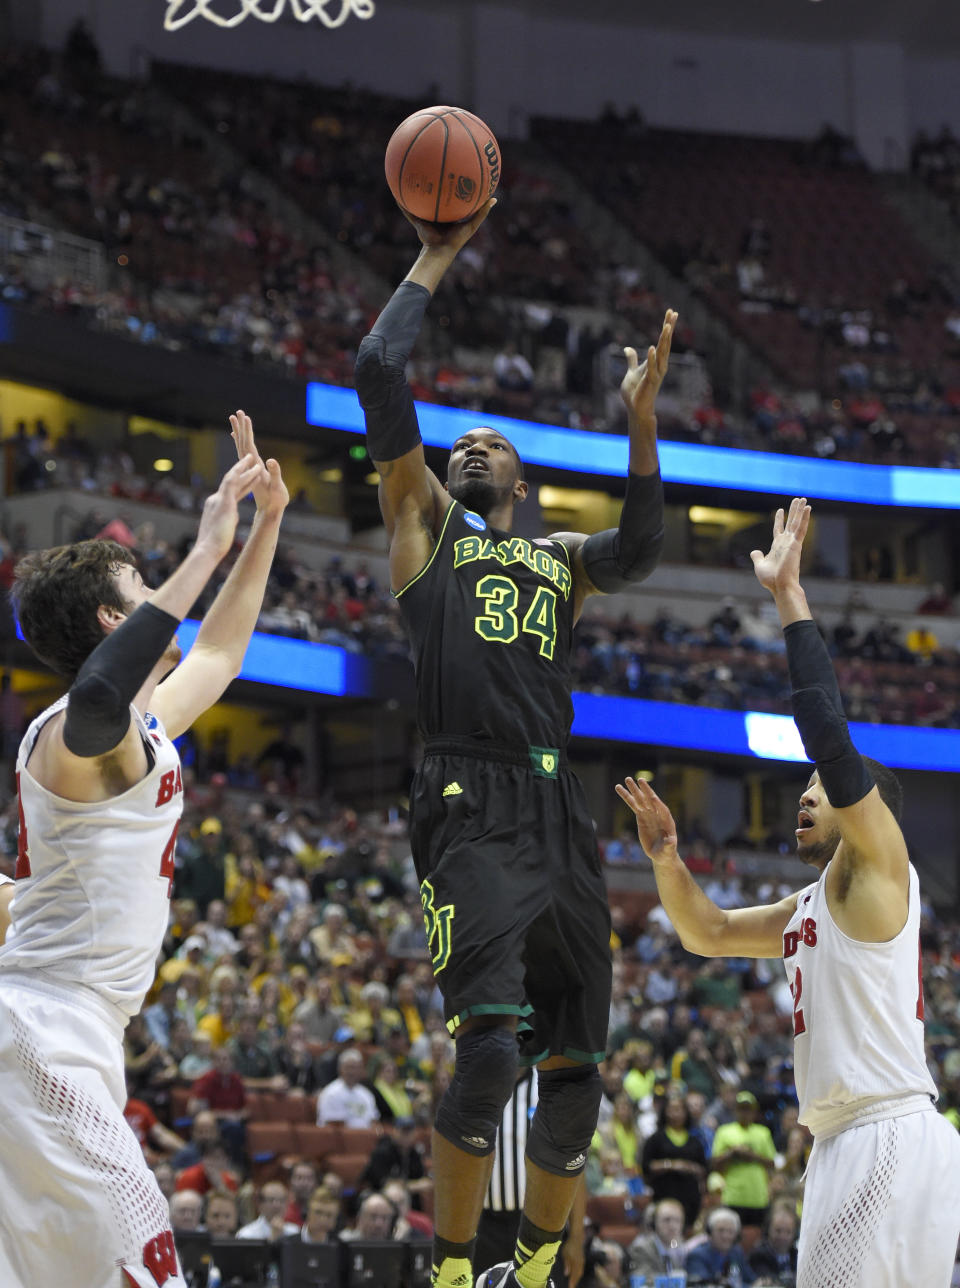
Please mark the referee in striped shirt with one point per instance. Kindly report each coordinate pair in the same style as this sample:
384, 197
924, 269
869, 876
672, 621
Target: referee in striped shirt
503, 1201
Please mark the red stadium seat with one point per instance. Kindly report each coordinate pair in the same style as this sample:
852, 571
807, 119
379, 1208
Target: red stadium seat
317, 1142
272, 1139
360, 1140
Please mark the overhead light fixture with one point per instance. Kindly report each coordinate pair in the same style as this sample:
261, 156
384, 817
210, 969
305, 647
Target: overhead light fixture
163, 465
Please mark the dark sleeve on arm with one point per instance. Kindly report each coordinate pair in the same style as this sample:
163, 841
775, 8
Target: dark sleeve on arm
820, 719
380, 374
98, 708
619, 557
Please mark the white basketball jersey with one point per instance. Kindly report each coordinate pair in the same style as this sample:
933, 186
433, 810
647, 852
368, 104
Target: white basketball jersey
857, 1015
93, 879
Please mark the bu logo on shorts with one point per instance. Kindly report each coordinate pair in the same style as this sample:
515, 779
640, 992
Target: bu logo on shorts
544, 761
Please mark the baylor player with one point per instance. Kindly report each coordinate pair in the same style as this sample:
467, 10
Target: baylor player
513, 896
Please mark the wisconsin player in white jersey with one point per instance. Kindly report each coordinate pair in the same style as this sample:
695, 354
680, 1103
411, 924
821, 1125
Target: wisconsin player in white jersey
881, 1205
100, 795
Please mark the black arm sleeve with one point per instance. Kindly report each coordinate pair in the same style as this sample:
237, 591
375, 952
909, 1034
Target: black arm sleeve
98, 708
619, 557
819, 716
380, 374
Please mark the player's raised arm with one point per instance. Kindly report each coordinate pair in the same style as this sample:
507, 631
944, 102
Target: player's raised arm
614, 560
870, 834
412, 500
217, 653
703, 928
93, 748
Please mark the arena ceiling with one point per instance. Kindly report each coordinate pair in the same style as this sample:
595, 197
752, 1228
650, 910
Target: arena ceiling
927, 25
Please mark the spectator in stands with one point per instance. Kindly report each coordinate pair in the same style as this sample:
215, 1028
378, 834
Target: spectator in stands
186, 1211
295, 1061
160, 1016
374, 1220
221, 1215
373, 1019
303, 1183
936, 600
323, 1217
253, 1060
396, 1155
199, 1057
774, 1260
922, 643
673, 1161
319, 1017
346, 1100
511, 370
154, 1138
392, 1097
269, 1223
204, 1130
714, 1260
214, 1171
744, 1152
332, 938
220, 940
661, 1251
622, 1133
605, 1265
202, 874
409, 1224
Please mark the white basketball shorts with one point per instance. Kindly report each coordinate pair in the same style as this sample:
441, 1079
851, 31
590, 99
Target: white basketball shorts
881, 1206
80, 1206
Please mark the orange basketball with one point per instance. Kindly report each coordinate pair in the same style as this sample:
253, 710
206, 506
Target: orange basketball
442, 164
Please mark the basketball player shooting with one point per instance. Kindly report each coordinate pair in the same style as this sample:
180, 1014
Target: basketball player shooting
100, 795
514, 900
881, 1206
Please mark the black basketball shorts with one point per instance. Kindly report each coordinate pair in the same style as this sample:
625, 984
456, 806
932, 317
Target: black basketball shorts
513, 895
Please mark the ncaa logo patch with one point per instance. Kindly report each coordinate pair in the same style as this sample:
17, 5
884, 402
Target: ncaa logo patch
474, 520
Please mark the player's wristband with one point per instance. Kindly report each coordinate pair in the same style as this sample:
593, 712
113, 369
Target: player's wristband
819, 717
98, 708
380, 374
619, 557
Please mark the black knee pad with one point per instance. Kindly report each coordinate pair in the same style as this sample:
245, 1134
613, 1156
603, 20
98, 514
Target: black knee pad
483, 1080
566, 1118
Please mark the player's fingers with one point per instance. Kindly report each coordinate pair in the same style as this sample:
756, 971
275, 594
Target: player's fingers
778, 522
632, 360
756, 556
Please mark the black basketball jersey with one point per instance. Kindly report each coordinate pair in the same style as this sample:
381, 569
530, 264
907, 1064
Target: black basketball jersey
490, 619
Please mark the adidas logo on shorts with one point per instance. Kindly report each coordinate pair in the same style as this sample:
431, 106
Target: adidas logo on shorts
478, 1142
576, 1162
453, 789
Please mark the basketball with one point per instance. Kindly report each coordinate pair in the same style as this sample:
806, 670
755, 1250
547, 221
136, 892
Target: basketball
442, 164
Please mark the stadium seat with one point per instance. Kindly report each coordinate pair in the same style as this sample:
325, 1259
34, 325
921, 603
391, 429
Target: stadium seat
607, 1209
622, 1234
360, 1140
349, 1167
317, 1142
271, 1139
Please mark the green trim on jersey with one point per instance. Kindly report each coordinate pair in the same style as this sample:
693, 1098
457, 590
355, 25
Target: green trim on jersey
433, 554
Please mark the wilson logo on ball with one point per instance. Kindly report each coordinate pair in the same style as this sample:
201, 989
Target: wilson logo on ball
492, 153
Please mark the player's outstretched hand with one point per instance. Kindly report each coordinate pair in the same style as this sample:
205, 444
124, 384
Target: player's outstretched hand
655, 826
269, 490
451, 237
641, 384
779, 568
218, 523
